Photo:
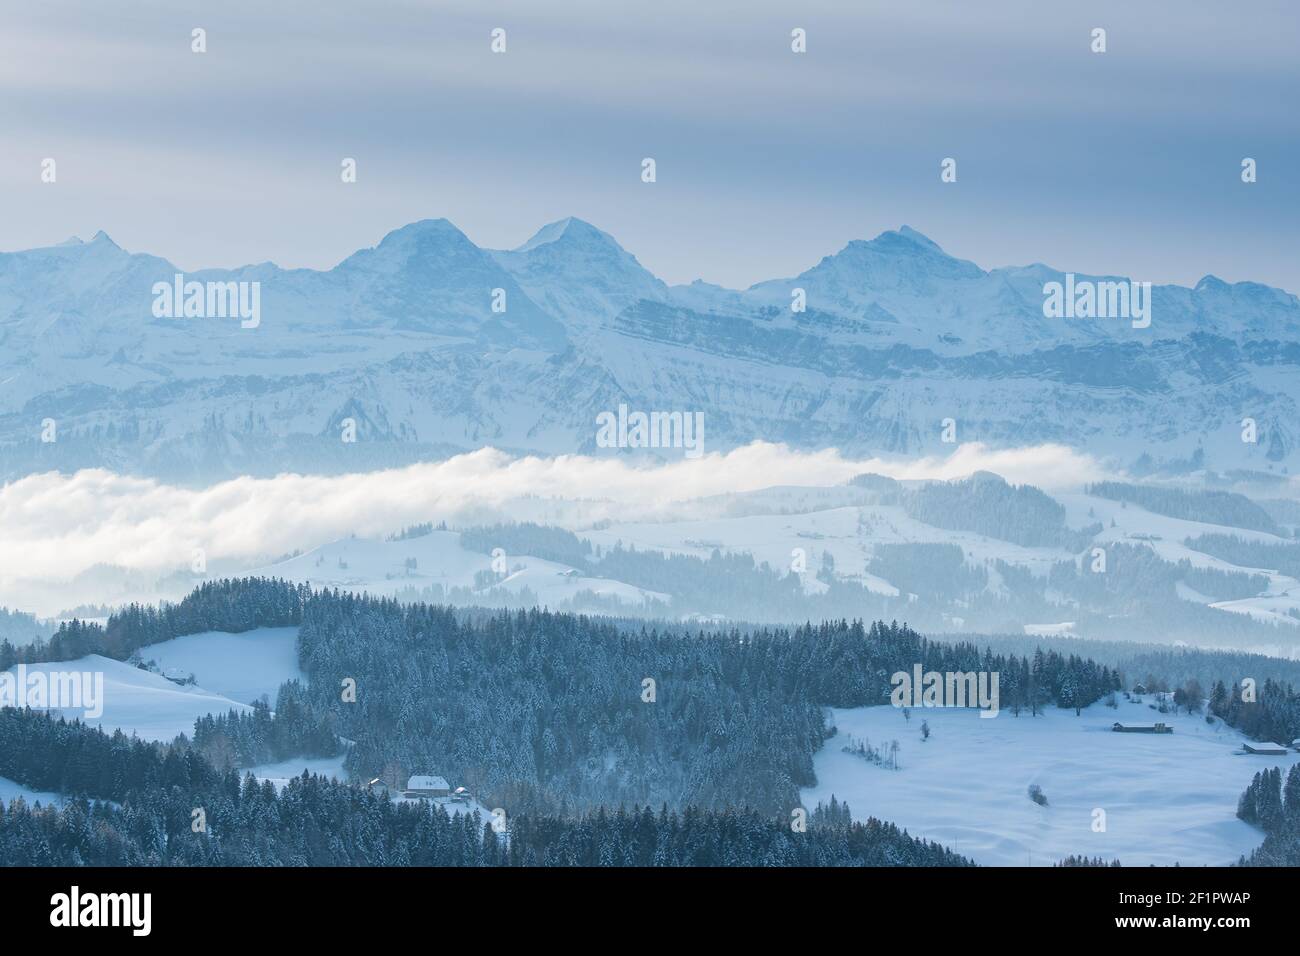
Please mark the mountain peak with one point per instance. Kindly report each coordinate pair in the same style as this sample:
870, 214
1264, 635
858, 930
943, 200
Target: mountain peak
570, 229
895, 256
907, 232
416, 240
102, 237
903, 239
580, 272
424, 227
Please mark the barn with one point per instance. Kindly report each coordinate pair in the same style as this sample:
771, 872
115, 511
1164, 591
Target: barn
1266, 749
427, 786
1141, 728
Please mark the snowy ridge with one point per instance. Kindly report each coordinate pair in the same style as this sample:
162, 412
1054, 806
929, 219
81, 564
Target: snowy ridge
403, 338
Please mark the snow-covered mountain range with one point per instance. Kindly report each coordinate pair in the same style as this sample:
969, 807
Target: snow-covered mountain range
409, 340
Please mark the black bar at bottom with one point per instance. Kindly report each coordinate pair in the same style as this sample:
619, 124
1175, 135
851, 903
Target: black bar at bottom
336, 906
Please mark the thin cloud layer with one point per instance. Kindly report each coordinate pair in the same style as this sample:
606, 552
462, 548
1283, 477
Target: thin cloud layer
57, 526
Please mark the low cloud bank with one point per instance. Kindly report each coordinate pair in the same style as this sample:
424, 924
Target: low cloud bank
56, 526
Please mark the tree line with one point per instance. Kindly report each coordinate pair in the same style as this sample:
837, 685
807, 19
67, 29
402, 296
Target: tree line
1275, 808
556, 713
549, 711
172, 807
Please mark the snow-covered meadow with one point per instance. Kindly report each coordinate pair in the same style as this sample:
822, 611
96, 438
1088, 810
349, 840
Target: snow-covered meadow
243, 667
1167, 798
139, 702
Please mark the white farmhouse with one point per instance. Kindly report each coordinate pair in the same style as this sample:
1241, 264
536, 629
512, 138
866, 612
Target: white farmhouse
427, 786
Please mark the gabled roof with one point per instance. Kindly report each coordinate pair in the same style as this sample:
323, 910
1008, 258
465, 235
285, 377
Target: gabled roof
427, 783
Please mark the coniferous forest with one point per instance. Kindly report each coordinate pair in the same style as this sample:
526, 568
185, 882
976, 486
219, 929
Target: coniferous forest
568, 721
1274, 807
136, 805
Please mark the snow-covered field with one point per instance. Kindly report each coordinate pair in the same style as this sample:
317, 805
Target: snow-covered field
380, 567
139, 702
10, 790
231, 671
1169, 798
242, 667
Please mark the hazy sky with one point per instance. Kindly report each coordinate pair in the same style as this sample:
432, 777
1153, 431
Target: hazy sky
1125, 162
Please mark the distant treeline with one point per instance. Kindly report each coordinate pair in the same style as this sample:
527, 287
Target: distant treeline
1138, 594
1150, 664
230, 604
1210, 507
732, 584
21, 627
1270, 555
541, 541
931, 570
1136, 574
985, 504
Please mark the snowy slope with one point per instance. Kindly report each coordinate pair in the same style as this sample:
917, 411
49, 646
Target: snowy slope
139, 702
1168, 798
379, 567
1129, 524
847, 534
242, 667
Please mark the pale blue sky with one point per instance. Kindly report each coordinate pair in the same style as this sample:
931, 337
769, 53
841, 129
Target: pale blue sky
1126, 162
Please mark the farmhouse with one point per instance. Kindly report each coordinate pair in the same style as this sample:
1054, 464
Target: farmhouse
1141, 728
377, 786
1269, 749
427, 786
